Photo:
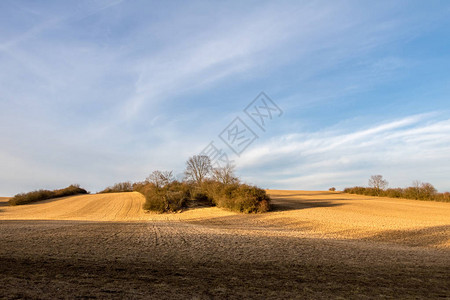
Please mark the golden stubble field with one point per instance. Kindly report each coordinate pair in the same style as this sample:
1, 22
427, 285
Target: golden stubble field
313, 245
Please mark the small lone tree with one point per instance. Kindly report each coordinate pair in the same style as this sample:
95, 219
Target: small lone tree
225, 174
378, 183
160, 178
198, 167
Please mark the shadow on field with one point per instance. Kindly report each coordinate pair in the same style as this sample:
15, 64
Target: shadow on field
431, 236
286, 204
300, 194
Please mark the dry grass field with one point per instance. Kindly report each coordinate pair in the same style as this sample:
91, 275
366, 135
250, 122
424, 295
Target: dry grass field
312, 245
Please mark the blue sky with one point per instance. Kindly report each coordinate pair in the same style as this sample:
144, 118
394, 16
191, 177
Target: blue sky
97, 92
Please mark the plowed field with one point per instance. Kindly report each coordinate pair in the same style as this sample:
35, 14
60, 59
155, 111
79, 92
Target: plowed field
312, 245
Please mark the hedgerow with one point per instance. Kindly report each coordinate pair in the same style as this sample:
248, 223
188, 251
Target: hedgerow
38, 195
424, 191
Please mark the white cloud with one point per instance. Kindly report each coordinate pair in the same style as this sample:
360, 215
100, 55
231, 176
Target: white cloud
414, 147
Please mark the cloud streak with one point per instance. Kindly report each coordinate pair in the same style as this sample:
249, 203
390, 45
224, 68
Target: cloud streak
414, 147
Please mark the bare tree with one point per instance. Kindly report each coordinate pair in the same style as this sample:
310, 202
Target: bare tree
416, 187
225, 174
160, 178
198, 167
378, 183
427, 190
423, 190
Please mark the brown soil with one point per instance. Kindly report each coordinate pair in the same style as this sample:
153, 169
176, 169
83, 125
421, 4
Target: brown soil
313, 245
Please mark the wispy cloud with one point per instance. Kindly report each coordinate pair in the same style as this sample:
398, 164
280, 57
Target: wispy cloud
403, 150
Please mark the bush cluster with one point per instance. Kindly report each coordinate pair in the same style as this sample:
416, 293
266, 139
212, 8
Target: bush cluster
424, 191
169, 198
236, 196
176, 195
120, 187
34, 196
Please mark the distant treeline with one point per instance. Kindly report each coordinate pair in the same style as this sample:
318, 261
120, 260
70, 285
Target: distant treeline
419, 191
38, 195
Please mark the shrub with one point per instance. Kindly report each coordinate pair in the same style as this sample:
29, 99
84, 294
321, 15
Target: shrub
249, 199
200, 195
332, 189
237, 197
443, 197
120, 187
34, 196
355, 190
140, 186
170, 198
411, 193
154, 199
394, 193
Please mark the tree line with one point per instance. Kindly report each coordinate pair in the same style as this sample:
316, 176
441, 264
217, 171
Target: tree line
378, 186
